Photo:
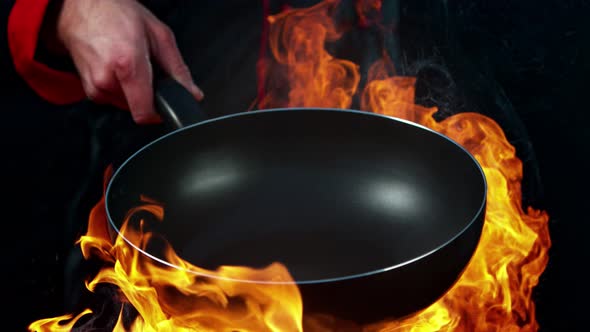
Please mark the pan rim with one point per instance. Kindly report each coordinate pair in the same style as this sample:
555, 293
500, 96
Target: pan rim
477, 215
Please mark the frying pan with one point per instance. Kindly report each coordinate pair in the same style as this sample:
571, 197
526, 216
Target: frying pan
374, 217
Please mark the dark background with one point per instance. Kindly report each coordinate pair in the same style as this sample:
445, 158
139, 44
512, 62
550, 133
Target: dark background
524, 63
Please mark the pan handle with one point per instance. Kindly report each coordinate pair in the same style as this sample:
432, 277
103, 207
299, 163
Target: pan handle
177, 107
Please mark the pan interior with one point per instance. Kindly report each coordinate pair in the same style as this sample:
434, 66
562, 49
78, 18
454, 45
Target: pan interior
330, 194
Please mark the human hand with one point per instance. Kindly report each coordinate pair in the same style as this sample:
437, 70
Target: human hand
112, 43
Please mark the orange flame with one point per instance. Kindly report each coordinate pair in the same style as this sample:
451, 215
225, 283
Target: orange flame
173, 299
316, 78
494, 292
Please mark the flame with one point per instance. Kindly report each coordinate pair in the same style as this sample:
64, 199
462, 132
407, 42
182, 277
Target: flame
494, 293
317, 79
174, 299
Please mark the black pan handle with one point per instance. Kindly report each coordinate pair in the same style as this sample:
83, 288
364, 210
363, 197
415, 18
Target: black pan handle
176, 105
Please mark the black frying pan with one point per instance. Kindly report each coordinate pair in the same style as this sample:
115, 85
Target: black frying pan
374, 216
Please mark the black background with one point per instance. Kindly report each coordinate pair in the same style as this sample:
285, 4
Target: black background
523, 60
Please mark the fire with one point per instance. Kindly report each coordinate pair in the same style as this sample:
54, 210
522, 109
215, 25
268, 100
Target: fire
316, 78
173, 299
494, 293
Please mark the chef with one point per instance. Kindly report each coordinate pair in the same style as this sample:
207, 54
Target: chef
66, 69
112, 44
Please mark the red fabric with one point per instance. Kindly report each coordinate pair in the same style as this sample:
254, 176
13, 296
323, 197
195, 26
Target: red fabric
24, 23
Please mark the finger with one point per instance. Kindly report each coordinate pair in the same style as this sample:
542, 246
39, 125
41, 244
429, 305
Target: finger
165, 51
94, 94
134, 74
117, 98
102, 87
92, 90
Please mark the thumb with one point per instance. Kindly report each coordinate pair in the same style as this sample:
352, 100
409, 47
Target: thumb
165, 50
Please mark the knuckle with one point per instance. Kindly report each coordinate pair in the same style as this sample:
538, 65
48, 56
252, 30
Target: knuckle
123, 63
